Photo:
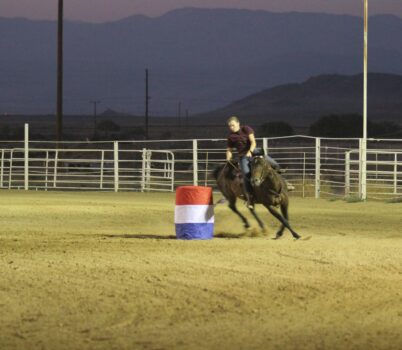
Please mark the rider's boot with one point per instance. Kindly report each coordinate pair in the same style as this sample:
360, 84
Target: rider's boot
248, 192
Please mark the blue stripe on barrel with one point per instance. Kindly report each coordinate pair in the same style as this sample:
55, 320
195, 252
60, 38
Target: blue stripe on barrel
194, 213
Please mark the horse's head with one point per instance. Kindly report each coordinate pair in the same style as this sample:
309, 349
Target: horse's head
261, 171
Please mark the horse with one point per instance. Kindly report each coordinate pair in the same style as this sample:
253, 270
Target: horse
269, 189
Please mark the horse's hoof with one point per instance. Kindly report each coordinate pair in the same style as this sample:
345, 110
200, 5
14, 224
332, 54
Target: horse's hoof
246, 233
264, 231
277, 237
250, 232
255, 233
300, 238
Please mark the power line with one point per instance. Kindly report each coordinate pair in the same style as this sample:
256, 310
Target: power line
95, 103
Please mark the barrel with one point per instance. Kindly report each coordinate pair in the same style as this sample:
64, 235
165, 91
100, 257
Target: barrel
194, 213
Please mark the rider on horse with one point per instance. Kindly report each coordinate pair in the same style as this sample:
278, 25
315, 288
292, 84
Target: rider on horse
242, 139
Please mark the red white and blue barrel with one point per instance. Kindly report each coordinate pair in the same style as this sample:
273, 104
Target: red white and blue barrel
194, 213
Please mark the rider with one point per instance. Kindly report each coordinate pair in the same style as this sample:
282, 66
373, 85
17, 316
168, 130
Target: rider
242, 138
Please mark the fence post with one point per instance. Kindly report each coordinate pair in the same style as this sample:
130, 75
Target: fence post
317, 167
46, 169
172, 172
116, 165
195, 163
347, 174
265, 145
101, 169
144, 164
26, 157
2, 168
206, 169
304, 173
363, 169
10, 173
396, 174
56, 159
148, 169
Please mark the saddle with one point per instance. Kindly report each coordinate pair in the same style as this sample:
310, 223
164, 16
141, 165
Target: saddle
234, 171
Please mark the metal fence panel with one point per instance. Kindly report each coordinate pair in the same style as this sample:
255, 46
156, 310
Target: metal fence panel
317, 167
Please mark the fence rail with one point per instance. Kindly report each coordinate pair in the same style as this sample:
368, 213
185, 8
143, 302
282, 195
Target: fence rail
317, 167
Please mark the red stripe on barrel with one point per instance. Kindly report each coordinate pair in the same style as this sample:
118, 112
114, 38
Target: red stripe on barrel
194, 195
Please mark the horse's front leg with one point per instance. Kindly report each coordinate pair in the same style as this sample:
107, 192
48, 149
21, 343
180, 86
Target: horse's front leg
232, 206
260, 223
283, 221
284, 210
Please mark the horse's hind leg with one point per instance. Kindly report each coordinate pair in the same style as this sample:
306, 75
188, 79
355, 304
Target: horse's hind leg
283, 220
232, 206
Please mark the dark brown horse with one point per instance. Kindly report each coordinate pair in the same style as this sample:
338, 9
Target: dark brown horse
269, 189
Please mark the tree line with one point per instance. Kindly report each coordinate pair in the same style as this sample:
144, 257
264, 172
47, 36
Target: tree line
344, 125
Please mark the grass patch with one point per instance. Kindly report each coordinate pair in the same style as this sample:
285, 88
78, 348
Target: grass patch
353, 199
394, 200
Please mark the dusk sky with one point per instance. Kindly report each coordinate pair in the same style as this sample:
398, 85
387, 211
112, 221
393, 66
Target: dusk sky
109, 10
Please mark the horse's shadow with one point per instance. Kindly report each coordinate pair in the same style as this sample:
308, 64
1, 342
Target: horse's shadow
228, 235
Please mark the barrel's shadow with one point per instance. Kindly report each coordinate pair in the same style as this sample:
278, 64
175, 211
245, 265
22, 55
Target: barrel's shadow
140, 236
170, 237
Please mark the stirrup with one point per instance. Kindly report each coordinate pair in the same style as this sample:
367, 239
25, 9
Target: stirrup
278, 200
248, 202
249, 205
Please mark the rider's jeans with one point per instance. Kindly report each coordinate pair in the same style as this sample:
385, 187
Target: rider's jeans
245, 170
272, 161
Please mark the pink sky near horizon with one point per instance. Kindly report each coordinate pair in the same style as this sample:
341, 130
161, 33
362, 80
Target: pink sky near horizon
110, 10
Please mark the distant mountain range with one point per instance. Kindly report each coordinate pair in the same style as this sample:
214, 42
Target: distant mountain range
202, 58
303, 103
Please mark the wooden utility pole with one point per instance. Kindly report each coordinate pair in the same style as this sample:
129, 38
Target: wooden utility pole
179, 113
59, 116
363, 148
146, 105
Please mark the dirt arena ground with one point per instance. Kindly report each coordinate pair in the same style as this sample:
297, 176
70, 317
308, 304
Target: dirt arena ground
103, 271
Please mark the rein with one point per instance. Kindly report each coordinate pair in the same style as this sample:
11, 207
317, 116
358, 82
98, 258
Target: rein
224, 167
275, 193
234, 166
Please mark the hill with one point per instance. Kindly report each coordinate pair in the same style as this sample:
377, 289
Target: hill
302, 103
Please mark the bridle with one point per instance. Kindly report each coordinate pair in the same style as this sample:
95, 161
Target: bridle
263, 177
